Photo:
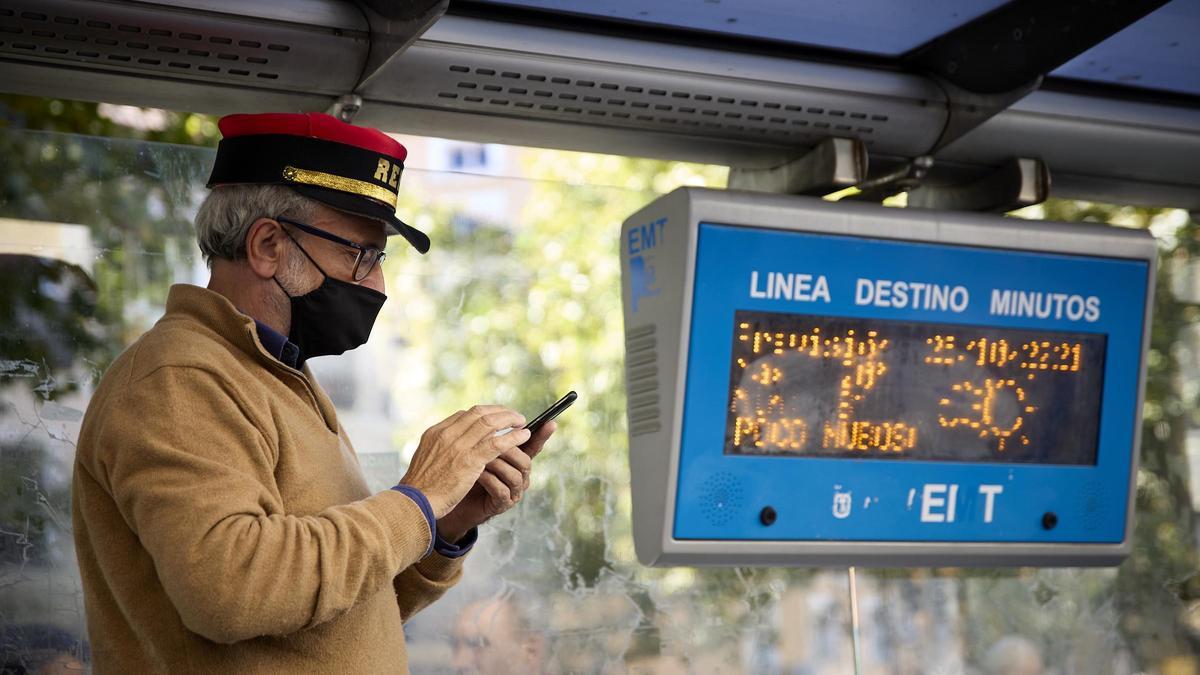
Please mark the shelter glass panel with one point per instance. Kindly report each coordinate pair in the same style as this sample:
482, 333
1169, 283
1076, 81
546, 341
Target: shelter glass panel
518, 302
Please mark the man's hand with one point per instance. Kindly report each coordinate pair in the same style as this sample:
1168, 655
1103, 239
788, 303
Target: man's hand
499, 488
454, 452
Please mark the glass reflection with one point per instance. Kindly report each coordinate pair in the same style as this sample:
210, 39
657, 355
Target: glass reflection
519, 302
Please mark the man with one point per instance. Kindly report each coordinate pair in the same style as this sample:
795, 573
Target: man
221, 519
494, 637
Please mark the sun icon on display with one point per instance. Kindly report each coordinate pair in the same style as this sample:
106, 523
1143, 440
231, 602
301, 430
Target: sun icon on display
997, 408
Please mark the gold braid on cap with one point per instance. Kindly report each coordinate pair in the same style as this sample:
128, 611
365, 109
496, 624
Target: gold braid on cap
339, 183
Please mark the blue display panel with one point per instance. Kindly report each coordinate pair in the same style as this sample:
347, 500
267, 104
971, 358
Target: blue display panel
877, 390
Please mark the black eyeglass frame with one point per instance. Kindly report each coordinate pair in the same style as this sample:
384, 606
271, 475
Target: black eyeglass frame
373, 255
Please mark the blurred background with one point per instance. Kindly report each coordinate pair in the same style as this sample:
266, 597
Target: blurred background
518, 302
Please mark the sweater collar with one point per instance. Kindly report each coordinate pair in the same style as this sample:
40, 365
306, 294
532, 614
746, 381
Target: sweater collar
215, 312
278, 345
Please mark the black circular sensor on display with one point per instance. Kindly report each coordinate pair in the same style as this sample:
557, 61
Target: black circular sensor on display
1049, 520
768, 516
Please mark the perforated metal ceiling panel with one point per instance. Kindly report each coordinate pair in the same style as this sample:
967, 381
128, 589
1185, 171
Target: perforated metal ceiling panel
626, 85
160, 46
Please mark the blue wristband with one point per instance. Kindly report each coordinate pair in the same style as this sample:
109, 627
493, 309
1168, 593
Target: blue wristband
422, 503
457, 549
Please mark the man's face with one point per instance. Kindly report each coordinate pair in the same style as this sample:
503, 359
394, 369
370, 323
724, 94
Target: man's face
488, 640
336, 259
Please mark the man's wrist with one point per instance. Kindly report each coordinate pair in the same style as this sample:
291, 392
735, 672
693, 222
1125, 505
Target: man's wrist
426, 510
458, 547
450, 530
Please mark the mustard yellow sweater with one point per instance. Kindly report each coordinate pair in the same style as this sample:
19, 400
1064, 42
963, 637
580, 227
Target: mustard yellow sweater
222, 523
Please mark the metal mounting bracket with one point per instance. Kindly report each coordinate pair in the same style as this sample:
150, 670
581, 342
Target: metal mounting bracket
395, 25
346, 107
903, 179
1017, 183
966, 110
833, 164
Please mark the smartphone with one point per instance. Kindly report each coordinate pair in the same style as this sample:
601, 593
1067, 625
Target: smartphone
552, 412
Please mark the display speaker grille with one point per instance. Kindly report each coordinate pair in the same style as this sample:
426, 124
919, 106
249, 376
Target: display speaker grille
641, 381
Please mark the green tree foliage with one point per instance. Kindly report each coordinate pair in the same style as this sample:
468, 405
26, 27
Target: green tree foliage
1158, 587
93, 119
532, 310
135, 193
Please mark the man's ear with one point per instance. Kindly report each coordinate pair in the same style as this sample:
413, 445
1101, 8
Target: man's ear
265, 243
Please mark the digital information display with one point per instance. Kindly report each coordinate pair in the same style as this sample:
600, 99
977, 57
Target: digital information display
870, 388
816, 383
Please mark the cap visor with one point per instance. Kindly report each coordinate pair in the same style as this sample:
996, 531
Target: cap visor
368, 208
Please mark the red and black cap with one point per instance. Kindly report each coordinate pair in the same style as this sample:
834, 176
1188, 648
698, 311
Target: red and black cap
353, 169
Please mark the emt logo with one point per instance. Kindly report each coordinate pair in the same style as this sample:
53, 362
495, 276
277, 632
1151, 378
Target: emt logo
638, 242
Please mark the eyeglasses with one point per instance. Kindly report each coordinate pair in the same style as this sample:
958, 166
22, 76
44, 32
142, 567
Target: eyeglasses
367, 256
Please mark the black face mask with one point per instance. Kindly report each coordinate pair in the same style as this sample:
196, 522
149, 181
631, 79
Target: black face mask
333, 318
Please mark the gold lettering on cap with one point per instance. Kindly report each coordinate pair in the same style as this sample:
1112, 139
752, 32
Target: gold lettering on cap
381, 171
395, 179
